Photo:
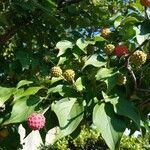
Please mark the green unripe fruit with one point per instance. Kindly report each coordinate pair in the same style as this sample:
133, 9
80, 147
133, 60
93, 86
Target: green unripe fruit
69, 75
138, 58
46, 59
121, 80
109, 49
56, 71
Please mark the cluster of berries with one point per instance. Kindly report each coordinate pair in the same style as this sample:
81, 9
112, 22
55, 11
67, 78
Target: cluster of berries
119, 50
138, 58
69, 74
37, 121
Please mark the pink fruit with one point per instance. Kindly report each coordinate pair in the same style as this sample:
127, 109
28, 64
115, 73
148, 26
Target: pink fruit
36, 121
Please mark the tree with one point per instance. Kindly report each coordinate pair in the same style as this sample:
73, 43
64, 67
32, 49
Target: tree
75, 62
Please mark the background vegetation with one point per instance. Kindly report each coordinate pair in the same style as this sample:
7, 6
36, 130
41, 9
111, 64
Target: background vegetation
37, 35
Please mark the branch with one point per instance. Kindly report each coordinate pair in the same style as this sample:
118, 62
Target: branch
143, 90
137, 48
128, 66
144, 104
7, 36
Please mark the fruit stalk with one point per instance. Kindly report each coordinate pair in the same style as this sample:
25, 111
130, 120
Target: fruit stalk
129, 68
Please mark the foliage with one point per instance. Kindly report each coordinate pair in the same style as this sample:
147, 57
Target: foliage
38, 35
90, 139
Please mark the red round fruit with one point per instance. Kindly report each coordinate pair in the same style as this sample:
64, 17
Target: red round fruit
121, 50
36, 121
145, 3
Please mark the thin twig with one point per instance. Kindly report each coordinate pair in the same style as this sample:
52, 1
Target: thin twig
143, 90
139, 47
128, 66
144, 104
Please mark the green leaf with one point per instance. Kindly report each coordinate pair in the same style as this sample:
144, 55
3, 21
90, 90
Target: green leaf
95, 60
3, 19
109, 76
24, 58
111, 82
106, 97
99, 38
110, 125
129, 20
63, 46
55, 79
128, 32
124, 107
63, 90
61, 60
23, 82
69, 113
79, 84
137, 5
115, 16
104, 73
57, 89
5, 94
29, 91
22, 108
82, 44
117, 22
142, 32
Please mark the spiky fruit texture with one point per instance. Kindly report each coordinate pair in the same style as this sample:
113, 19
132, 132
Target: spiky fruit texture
36, 121
145, 3
56, 71
121, 50
105, 32
121, 80
109, 48
4, 133
69, 75
138, 58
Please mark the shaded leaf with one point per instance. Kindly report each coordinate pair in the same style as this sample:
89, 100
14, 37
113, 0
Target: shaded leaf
125, 108
23, 82
79, 84
63, 46
69, 113
104, 73
82, 44
5, 94
29, 91
95, 60
22, 108
109, 124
